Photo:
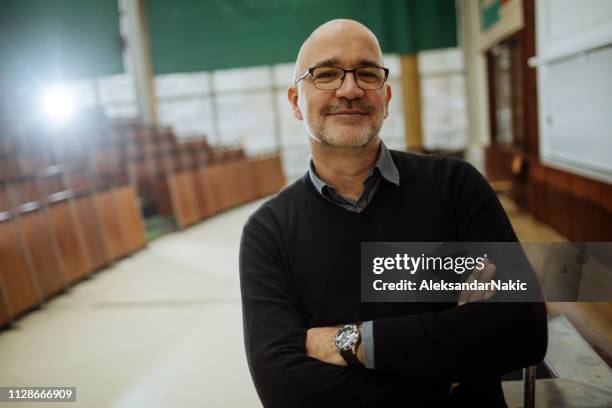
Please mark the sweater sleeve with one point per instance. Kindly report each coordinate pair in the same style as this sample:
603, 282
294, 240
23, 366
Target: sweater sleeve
478, 339
275, 335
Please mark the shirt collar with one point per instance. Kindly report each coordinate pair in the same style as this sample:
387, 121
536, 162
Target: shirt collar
384, 164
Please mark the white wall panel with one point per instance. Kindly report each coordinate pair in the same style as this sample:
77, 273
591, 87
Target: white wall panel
574, 46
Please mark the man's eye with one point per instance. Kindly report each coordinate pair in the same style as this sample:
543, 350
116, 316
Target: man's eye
368, 76
327, 75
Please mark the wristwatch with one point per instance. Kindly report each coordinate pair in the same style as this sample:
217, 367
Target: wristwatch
347, 339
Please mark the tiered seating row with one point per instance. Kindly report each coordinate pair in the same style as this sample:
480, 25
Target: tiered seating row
51, 239
190, 181
72, 205
64, 214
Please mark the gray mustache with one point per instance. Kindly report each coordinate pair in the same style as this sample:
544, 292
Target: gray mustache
332, 109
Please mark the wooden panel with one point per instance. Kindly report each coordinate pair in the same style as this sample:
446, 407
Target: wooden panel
263, 176
219, 186
269, 174
4, 305
498, 164
178, 208
142, 176
231, 194
207, 183
539, 195
134, 231
71, 245
586, 214
215, 183
111, 224
42, 249
606, 206
558, 196
185, 198
17, 275
237, 172
254, 164
507, 164
574, 205
89, 220
199, 190
273, 171
194, 209
277, 172
164, 197
557, 179
245, 180
272, 175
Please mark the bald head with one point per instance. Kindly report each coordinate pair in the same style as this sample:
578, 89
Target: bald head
349, 116
324, 42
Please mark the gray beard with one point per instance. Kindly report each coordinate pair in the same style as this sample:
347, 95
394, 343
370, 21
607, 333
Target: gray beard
332, 140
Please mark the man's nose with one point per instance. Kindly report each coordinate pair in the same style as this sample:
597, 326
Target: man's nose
349, 89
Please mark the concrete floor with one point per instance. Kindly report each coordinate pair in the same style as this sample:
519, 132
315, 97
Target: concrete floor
162, 328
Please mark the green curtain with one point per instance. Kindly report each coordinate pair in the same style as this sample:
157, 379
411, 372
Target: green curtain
196, 35
50, 40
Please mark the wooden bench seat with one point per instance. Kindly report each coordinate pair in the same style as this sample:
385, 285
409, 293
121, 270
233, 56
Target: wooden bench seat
17, 270
69, 237
110, 223
5, 313
43, 249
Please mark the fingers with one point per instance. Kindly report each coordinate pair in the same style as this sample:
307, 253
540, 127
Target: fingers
466, 296
486, 275
479, 275
488, 272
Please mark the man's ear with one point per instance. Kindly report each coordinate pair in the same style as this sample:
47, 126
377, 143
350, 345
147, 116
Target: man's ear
388, 99
292, 95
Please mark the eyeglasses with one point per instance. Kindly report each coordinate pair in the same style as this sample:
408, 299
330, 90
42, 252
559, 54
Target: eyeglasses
331, 78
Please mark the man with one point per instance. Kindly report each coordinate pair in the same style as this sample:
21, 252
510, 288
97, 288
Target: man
300, 257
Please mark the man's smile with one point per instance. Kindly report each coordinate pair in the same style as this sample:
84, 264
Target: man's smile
348, 113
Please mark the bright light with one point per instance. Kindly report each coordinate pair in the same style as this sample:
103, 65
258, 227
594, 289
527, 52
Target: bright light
58, 104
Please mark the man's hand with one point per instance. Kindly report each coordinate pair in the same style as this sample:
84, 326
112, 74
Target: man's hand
320, 344
483, 275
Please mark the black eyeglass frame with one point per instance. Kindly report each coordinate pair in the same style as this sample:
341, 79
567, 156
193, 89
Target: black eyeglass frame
345, 71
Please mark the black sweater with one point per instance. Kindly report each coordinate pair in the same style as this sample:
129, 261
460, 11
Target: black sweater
300, 268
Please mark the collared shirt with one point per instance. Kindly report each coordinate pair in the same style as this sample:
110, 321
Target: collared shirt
383, 168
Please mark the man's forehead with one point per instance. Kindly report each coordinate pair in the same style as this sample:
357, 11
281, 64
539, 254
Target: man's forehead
344, 42
343, 48
354, 61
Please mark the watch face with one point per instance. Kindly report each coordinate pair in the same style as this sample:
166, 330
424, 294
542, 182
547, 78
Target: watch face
347, 337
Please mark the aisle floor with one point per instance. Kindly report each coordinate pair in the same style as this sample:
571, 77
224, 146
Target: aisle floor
162, 328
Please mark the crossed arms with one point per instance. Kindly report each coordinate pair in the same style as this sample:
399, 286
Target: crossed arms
416, 356
418, 353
